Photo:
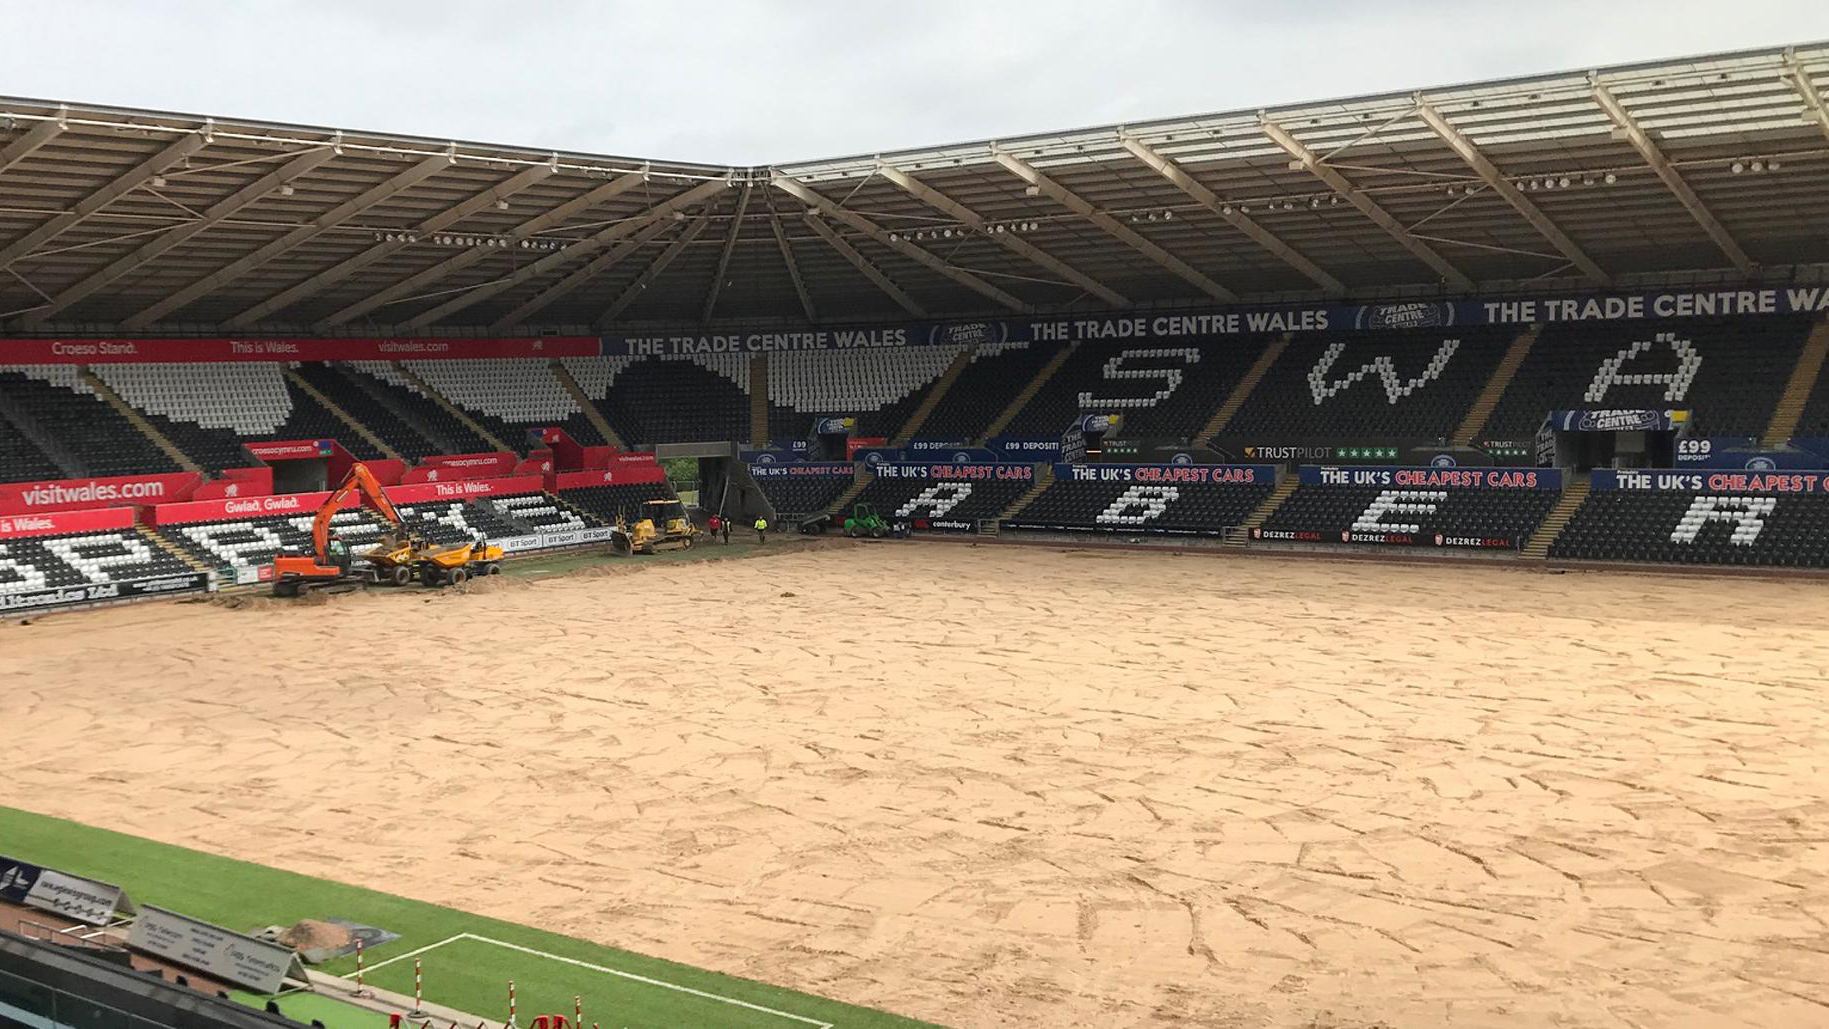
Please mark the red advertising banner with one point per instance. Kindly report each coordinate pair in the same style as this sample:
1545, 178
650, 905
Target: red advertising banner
244, 507
463, 489
237, 482
291, 449
856, 443
439, 468
60, 523
109, 491
120, 351
609, 476
386, 470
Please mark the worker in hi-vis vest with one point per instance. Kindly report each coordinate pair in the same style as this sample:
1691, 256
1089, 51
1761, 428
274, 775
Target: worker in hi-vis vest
761, 530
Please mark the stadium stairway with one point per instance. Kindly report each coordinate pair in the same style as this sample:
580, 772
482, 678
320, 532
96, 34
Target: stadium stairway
1044, 477
408, 418
1573, 494
48, 444
851, 493
1790, 408
452, 409
158, 542
918, 417
1021, 400
1242, 392
1241, 535
138, 421
1488, 399
343, 416
758, 401
591, 414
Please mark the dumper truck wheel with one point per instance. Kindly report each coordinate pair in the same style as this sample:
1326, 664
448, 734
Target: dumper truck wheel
401, 575
492, 569
428, 575
457, 576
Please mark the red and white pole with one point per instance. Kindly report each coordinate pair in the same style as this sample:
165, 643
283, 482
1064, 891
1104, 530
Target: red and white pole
418, 989
578, 1010
511, 1021
358, 966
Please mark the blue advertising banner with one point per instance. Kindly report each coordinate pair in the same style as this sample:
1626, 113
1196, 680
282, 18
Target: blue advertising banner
1243, 321
1169, 474
1671, 480
770, 456
1432, 478
956, 472
1745, 452
803, 470
1617, 421
1026, 448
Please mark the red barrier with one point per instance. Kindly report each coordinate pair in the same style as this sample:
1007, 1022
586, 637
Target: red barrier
609, 476
386, 470
110, 491
119, 351
290, 449
244, 507
463, 489
58, 523
237, 482
462, 466
856, 443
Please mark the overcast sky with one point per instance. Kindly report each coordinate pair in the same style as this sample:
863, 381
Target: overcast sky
783, 80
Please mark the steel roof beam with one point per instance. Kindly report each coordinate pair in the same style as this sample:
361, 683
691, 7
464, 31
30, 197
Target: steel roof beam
1306, 160
730, 246
127, 182
793, 268
445, 269
799, 191
1232, 216
178, 234
558, 258
862, 264
316, 227
594, 267
1794, 70
1008, 240
1111, 226
652, 272
1648, 149
29, 143
1475, 159
437, 223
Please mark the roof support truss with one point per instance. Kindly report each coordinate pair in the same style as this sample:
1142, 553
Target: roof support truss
437, 223
1111, 226
1468, 152
29, 143
594, 267
178, 234
1648, 149
799, 191
730, 246
558, 258
793, 266
1800, 78
1232, 216
653, 271
444, 269
862, 264
316, 227
1306, 159
1008, 240
128, 181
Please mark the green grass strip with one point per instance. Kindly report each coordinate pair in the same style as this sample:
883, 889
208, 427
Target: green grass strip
467, 975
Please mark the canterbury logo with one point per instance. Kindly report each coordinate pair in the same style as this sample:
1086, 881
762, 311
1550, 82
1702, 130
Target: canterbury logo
1395, 388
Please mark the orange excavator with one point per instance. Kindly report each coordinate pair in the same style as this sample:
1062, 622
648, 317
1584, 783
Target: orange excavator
330, 562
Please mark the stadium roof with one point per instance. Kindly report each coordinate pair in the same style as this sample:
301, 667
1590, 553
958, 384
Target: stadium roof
1698, 171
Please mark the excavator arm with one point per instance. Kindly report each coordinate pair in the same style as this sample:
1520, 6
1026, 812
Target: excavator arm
359, 479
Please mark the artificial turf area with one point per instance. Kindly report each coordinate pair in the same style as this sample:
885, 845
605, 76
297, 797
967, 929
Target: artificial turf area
471, 959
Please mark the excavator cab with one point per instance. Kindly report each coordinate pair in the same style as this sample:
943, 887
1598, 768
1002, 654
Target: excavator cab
330, 562
338, 553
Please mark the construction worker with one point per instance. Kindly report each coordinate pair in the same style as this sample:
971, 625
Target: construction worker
761, 531
714, 525
727, 521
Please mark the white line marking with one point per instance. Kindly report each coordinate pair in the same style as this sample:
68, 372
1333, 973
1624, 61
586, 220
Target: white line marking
366, 969
641, 979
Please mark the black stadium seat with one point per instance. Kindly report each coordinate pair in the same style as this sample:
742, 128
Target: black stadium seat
988, 384
1764, 530
612, 502
1163, 390
1506, 517
57, 398
801, 495
115, 555
954, 504
1204, 509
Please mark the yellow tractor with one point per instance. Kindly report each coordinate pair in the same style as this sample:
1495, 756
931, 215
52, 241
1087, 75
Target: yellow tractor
663, 526
399, 558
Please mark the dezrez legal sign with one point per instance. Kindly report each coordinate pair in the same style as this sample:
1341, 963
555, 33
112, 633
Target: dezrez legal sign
230, 956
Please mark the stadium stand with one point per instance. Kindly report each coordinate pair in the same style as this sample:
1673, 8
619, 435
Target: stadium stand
996, 372
1728, 372
1378, 385
793, 496
234, 544
396, 392
486, 518
366, 408
508, 396
1502, 517
1199, 509
608, 503
1786, 531
47, 562
670, 399
879, 387
20, 458
945, 503
94, 433
1163, 391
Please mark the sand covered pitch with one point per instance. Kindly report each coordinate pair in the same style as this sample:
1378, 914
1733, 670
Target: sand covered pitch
1016, 787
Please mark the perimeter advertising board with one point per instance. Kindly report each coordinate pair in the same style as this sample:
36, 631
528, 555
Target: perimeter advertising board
89, 901
223, 953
